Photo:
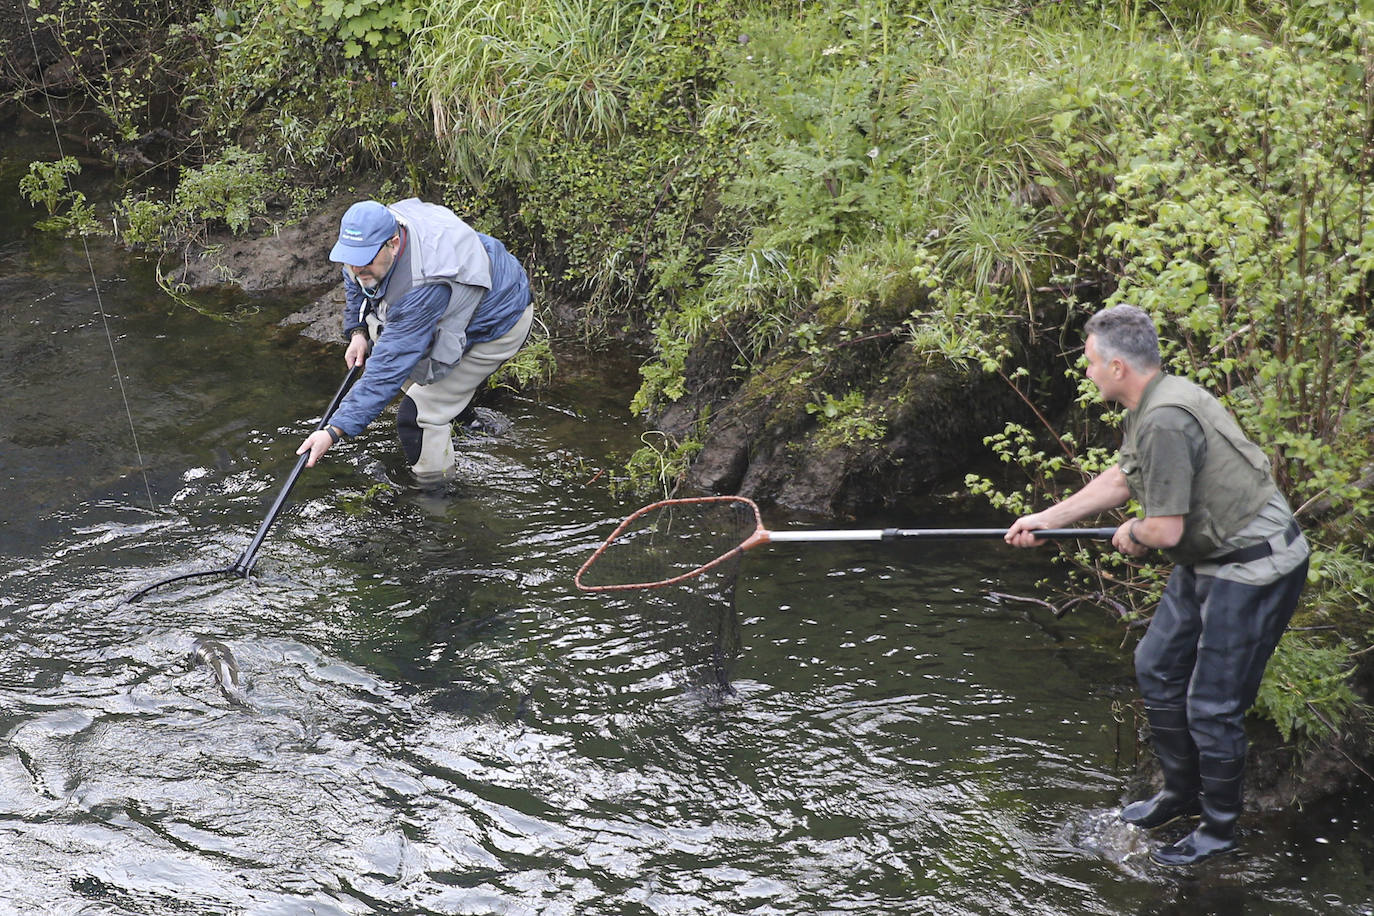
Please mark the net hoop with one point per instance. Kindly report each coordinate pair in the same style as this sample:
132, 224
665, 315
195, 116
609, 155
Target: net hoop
758, 536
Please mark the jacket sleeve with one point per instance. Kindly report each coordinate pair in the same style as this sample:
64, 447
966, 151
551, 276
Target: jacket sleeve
353, 304
405, 338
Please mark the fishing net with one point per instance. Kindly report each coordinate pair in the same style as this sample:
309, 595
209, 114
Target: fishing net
669, 542
680, 557
675, 563
696, 621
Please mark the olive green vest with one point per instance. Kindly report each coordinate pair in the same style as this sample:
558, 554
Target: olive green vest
1234, 482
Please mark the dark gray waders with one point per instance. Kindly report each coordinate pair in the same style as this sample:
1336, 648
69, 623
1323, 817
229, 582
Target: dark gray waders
1177, 755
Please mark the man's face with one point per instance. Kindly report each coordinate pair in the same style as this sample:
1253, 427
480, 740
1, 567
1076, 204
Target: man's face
1105, 374
371, 274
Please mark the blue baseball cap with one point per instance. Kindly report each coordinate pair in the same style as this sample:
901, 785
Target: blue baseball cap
363, 231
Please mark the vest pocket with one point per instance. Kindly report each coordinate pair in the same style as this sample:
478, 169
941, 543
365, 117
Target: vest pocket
443, 355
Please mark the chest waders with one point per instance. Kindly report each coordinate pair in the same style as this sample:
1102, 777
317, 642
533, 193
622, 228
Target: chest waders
426, 413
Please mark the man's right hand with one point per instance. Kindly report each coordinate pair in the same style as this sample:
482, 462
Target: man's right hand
356, 354
315, 445
1019, 534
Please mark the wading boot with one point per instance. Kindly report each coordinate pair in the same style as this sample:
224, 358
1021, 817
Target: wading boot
1222, 781
1177, 757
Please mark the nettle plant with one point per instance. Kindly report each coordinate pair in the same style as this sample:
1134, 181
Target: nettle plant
48, 184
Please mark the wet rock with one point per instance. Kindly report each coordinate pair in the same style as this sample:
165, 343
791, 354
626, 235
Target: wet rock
154, 149
322, 319
721, 468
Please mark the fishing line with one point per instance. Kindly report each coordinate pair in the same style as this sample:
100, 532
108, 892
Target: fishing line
95, 283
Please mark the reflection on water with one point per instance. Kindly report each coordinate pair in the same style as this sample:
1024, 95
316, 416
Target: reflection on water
436, 721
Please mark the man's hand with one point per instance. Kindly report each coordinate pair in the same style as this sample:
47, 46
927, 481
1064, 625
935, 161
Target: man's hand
1019, 534
1105, 491
1123, 541
317, 443
356, 354
1154, 532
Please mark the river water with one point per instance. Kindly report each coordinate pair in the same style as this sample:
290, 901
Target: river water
436, 721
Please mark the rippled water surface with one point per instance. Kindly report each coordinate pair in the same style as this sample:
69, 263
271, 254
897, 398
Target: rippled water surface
436, 721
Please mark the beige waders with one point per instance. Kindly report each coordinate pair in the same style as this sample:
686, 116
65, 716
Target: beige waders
425, 416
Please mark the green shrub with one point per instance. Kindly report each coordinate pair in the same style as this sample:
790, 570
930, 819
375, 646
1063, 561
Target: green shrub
532, 366
47, 184
847, 420
658, 468
1229, 198
1306, 690
229, 193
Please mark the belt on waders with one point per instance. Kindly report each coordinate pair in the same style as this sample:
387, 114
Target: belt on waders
1258, 551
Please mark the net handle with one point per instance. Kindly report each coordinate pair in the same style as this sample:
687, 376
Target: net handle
934, 534
244, 564
762, 535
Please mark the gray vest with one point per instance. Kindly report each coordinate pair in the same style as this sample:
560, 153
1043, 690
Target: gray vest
439, 248
1234, 482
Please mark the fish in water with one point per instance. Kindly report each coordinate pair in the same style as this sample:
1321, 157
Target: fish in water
216, 656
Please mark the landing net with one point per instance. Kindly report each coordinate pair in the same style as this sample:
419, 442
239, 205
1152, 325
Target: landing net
673, 565
671, 541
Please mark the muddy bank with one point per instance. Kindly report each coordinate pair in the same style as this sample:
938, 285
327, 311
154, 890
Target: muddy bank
30, 54
293, 259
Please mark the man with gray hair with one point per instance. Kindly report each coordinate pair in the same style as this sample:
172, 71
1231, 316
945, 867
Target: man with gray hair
1211, 506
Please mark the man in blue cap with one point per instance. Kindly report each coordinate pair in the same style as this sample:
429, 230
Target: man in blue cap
432, 308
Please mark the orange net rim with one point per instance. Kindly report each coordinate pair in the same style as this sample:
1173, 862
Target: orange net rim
759, 536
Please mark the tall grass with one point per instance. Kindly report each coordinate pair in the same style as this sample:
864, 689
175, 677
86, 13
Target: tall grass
944, 123
507, 79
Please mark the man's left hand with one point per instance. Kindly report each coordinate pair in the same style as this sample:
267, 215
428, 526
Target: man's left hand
317, 443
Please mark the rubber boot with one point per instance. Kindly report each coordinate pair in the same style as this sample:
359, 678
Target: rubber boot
1177, 757
1222, 782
